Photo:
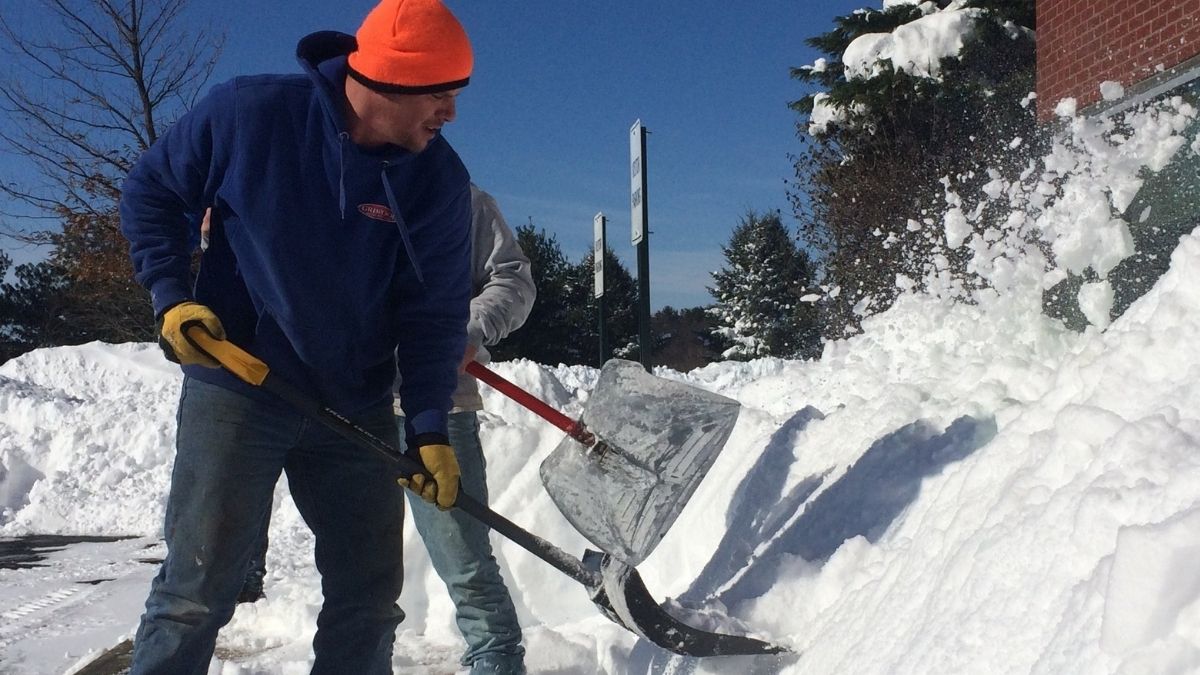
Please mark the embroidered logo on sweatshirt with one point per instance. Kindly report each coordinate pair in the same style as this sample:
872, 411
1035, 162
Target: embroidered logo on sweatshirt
377, 211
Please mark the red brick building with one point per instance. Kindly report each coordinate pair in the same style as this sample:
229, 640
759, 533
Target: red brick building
1148, 46
1152, 49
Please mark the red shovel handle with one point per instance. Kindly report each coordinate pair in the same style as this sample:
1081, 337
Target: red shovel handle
574, 428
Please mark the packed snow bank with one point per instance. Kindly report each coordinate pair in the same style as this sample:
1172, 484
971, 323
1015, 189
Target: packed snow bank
86, 433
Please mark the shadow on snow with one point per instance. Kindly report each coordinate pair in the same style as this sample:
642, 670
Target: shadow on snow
765, 525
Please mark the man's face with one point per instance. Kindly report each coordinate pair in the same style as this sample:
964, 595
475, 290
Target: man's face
410, 120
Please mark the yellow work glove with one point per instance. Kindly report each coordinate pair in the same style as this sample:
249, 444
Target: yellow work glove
442, 490
175, 345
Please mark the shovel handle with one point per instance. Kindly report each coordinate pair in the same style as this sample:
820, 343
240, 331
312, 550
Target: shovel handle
233, 358
574, 428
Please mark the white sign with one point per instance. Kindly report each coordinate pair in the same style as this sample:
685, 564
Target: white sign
637, 181
598, 247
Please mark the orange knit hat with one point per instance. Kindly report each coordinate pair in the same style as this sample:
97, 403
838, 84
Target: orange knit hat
411, 47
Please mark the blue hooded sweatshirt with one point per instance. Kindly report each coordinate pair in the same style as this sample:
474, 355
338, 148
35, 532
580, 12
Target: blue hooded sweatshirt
334, 264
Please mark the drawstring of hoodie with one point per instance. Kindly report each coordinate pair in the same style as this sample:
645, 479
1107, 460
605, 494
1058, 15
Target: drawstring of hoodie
342, 138
393, 205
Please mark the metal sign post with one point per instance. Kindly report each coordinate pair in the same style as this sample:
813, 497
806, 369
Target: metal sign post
641, 235
599, 247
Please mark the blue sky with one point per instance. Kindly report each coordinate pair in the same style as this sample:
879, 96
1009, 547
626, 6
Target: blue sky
544, 124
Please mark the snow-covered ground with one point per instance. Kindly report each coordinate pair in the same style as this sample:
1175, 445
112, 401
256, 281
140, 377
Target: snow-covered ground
963, 488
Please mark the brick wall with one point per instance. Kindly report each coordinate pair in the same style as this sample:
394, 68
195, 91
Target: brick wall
1081, 43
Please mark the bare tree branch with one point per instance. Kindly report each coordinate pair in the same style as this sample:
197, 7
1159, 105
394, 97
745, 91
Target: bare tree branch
94, 84
111, 75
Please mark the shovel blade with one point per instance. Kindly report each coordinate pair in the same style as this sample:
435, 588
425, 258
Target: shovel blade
658, 439
623, 598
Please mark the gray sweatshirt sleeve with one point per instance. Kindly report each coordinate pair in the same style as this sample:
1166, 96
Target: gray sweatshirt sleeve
502, 278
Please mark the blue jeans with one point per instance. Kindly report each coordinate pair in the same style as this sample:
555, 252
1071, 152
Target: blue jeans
230, 451
461, 555
256, 574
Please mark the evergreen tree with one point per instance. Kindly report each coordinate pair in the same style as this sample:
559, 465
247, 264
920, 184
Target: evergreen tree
8, 343
759, 308
620, 311
563, 325
685, 339
872, 183
36, 310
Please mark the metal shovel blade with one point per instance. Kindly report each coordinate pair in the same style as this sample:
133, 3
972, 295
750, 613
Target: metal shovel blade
657, 440
623, 598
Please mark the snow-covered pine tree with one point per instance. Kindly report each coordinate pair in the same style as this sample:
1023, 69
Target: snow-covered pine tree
896, 121
758, 292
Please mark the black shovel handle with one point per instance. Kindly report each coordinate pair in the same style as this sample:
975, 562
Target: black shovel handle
250, 369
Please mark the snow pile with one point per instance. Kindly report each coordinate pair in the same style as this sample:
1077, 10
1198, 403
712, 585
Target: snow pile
964, 487
952, 491
1068, 204
916, 48
85, 434
823, 114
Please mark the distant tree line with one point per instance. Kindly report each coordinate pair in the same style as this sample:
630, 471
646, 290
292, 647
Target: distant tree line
564, 324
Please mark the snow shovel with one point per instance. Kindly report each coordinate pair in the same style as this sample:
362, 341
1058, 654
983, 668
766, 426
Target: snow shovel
615, 587
647, 444
623, 480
